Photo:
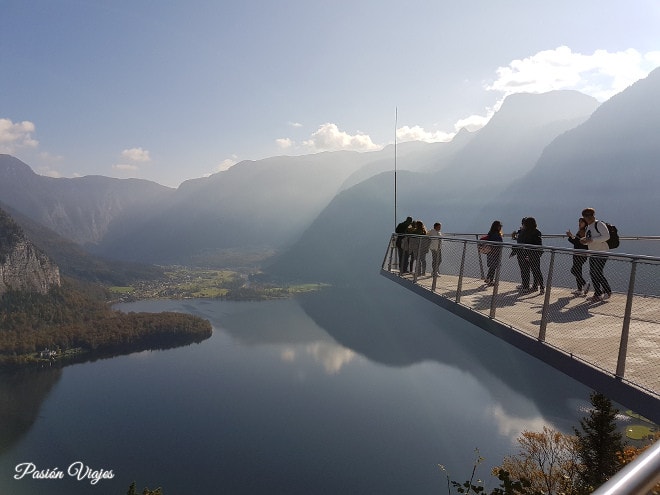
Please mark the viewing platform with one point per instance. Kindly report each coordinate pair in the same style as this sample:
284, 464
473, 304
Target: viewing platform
612, 346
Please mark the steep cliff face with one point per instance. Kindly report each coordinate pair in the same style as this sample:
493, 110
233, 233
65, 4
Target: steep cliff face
22, 266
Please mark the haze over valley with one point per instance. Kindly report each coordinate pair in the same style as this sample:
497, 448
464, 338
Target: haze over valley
545, 155
196, 198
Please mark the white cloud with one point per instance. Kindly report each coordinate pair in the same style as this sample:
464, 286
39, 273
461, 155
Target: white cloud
417, 133
472, 123
16, 135
601, 74
328, 137
225, 164
284, 143
48, 172
295, 124
136, 155
513, 426
330, 356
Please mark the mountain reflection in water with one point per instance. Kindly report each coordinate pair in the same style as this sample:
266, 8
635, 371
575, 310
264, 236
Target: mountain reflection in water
334, 392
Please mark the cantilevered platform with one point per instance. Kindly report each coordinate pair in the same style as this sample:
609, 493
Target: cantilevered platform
611, 346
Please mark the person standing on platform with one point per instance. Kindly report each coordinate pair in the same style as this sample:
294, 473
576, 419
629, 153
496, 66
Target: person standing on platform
532, 235
579, 259
521, 255
436, 248
401, 231
494, 255
595, 238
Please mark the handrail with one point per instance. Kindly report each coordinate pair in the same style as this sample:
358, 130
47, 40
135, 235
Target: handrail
636, 478
628, 326
632, 317
570, 250
554, 236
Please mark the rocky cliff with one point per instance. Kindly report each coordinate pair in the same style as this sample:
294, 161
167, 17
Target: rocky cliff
22, 266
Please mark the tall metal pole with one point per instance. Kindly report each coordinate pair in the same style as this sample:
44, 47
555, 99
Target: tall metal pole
396, 117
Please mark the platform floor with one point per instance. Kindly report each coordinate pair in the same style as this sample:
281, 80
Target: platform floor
589, 331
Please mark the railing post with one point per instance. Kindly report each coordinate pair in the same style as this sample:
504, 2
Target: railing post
625, 330
389, 265
459, 286
416, 267
496, 282
481, 263
546, 300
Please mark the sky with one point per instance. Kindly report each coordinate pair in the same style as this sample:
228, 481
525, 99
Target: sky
171, 90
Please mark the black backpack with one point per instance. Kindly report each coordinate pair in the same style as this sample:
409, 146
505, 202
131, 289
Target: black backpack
613, 241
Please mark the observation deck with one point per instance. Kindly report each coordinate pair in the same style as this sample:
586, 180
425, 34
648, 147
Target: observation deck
611, 346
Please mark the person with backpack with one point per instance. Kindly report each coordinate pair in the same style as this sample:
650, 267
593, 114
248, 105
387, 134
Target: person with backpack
596, 235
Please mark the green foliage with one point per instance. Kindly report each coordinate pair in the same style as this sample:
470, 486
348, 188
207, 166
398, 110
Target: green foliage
599, 443
74, 316
10, 234
132, 491
554, 463
507, 486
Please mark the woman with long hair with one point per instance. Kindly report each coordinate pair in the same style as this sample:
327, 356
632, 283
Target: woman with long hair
494, 255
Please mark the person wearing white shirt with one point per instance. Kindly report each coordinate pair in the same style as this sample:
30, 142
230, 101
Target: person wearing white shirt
436, 248
595, 238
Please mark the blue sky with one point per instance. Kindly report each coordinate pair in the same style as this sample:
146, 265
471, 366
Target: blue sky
173, 90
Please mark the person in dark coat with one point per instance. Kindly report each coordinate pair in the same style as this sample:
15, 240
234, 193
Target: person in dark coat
401, 231
521, 255
532, 235
578, 259
494, 255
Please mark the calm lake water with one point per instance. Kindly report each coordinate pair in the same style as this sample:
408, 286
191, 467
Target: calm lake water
338, 392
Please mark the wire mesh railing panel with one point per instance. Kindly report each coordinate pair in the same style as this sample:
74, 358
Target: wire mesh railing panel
600, 307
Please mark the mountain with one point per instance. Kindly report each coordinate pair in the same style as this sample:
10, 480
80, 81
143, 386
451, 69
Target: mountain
609, 163
254, 205
74, 261
467, 194
262, 207
22, 266
512, 141
81, 209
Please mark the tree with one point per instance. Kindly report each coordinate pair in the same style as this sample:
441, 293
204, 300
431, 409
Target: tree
547, 459
599, 443
132, 491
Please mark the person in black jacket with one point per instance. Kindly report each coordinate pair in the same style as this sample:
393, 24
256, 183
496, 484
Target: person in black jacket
521, 255
578, 259
532, 235
401, 230
494, 255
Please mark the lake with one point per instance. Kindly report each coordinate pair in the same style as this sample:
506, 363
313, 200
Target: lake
337, 392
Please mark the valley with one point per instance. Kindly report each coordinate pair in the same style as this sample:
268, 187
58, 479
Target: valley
181, 282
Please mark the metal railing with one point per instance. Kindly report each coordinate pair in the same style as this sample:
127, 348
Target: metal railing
637, 478
619, 335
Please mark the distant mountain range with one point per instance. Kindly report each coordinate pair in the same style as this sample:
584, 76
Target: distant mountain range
328, 215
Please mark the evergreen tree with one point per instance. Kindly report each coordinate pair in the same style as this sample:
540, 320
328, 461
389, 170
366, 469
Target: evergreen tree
599, 443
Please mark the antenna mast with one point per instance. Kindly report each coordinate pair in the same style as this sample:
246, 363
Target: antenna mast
396, 117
